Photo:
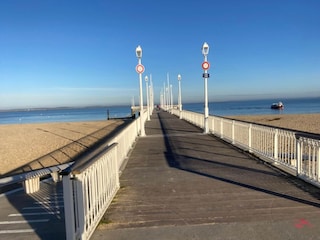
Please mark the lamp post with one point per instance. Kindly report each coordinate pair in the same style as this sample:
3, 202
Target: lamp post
171, 99
205, 66
164, 97
140, 70
167, 98
151, 101
161, 99
148, 110
179, 99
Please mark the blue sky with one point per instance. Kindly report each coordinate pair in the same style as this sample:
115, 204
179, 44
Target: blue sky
82, 53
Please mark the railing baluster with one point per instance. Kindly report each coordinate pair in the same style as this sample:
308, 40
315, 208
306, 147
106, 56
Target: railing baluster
89, 190
277, 145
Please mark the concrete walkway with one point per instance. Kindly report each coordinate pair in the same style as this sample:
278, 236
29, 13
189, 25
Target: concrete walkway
182, 184
33, 216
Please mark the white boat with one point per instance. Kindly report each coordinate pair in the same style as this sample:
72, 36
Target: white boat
278, 105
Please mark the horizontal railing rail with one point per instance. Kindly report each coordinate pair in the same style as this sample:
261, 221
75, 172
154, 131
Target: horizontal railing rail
295, 152
31, 180
88, 190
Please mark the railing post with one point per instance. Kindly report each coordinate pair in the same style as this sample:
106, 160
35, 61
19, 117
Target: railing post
55, 176
298, 156
276, 144
221, 128
69, 207
213, 120
31, 185
81, 206
318, 164
232, 134
249, 137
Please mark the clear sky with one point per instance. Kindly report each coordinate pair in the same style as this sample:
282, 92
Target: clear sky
82, 53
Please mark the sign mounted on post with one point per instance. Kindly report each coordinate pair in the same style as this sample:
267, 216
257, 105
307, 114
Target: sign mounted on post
206, 75
205, 65
140, 68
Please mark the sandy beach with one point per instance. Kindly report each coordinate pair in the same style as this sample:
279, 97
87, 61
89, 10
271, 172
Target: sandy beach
25, 147
301, 122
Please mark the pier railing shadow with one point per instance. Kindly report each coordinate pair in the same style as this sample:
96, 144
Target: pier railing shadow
202, 167
43, 210
73, 150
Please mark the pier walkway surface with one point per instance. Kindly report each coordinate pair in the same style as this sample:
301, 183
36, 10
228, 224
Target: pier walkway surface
182, 184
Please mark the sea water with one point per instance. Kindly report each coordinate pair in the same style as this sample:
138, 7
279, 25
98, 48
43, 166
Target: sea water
63, 114
257, 107
228, 108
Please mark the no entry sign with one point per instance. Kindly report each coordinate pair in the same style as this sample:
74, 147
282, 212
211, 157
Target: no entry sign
140, 68
205, 65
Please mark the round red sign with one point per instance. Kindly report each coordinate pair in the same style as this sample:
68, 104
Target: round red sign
140, 68
205, 65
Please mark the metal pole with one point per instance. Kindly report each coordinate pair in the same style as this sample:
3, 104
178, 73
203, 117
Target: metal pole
141, 104
150, 101
171, 98
148, 110
151, 95
206, 109
168, 93
205, 66
179, 100
140, 71
164, 97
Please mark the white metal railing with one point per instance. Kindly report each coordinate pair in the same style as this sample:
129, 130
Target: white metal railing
31, 180
308, 155
125, 139
89, 189
294, 152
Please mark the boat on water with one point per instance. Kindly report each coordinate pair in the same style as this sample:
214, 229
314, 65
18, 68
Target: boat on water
278, 105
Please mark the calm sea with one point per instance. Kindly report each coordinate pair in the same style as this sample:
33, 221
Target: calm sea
63, 114
230, 108
257, 107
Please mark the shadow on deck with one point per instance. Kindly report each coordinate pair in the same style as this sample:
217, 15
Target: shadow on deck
182, 184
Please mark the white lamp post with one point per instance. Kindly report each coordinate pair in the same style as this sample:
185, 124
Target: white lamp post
171, 99
205, 66
179, 99
148, 110
164, 97
167, 99
151, 101
140, 70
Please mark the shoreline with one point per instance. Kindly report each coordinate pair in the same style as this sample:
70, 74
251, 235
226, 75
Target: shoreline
30, 146
34, 145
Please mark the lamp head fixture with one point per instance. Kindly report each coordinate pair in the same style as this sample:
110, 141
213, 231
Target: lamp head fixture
205, 49
139, 52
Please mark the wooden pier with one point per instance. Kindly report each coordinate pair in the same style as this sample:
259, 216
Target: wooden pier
182, 184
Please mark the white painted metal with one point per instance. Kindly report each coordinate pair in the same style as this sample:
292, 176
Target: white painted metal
284, 148
31, 180
139, 56
87, 194
147, 93
179, 97
309, 153
205, 52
